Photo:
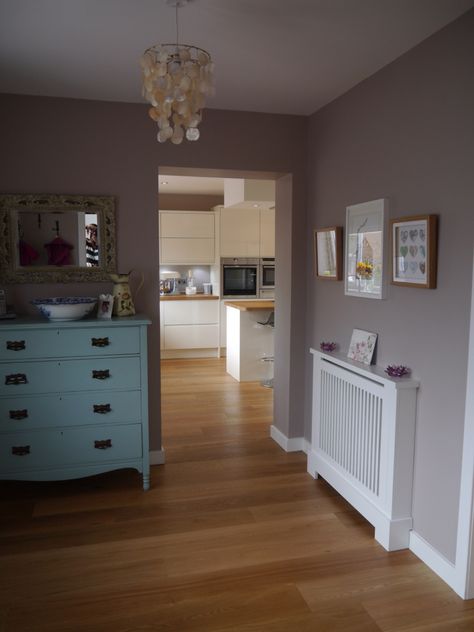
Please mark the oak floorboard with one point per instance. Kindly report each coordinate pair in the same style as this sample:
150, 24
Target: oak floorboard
233, 536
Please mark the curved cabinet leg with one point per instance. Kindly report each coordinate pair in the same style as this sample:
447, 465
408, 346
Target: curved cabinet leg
146, 482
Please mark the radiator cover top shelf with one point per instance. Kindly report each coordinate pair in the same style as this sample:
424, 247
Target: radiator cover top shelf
363, 430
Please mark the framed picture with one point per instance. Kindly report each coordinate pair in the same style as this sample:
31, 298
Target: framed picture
364, 260
414, 251
362, 346
327, 248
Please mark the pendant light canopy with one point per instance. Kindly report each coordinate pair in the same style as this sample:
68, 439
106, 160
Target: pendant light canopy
177, 78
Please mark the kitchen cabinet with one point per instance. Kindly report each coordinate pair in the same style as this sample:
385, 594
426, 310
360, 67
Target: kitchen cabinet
187, 237
267, 232
247, 232
239, 232
190, 324
73, 398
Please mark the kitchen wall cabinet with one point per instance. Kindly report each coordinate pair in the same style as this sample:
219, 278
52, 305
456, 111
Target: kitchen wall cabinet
187, 237
239, 232
247, 232
73, 398
267, 232
190, 324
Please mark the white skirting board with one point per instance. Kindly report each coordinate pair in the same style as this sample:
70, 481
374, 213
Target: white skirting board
434, 560
180, 354
417, 545
289, 444
157, 457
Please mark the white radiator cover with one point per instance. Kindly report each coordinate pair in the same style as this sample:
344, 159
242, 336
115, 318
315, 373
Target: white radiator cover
363, 435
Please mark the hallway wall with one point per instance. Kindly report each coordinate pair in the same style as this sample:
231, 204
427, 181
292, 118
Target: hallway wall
407, 134
89, 147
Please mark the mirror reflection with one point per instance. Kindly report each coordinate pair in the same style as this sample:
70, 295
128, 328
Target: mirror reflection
56, 238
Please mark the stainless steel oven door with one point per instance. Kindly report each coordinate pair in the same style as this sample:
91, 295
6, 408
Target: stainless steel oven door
239, 278
267, 273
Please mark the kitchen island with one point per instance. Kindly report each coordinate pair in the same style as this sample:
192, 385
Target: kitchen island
249, 341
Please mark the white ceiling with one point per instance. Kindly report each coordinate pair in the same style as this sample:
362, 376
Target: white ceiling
191, 185
280, 56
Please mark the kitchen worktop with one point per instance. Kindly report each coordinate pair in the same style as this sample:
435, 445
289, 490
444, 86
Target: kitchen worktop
245, 306
188, 297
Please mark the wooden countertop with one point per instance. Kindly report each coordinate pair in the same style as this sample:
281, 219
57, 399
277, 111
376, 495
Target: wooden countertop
246, 306
188, 297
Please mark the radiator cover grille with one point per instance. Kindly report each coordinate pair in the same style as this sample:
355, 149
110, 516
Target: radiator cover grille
350, 431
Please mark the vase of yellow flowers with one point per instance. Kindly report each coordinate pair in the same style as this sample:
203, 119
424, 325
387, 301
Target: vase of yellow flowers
364, 272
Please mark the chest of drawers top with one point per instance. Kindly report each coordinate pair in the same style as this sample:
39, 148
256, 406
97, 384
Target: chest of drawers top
30, 338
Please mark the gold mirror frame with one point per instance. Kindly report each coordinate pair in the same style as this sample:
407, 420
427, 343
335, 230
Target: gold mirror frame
103, 206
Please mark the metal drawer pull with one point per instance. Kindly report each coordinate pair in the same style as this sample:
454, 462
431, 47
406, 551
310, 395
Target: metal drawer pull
101, 375
102, 409
18, 414
100, 342
16, 378
20, 450
103, 444
16, 345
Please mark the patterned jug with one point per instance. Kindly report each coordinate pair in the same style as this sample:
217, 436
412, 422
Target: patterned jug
123, 303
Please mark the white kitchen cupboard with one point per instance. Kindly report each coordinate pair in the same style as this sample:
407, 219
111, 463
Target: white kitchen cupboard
239, 232
190, 324
73, 398
247, 232
267, 232
187, 237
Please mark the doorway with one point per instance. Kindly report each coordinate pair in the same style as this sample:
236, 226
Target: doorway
188, 190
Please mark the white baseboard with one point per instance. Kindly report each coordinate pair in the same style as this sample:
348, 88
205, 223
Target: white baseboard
157, 457
437, 562
183, 354
292, 444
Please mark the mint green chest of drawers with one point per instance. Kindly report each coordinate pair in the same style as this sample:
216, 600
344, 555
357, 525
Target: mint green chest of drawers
73, 398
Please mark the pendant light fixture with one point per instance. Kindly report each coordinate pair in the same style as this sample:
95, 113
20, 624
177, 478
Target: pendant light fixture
177, 78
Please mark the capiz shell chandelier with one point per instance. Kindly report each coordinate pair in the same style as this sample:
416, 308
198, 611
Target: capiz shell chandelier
177, 78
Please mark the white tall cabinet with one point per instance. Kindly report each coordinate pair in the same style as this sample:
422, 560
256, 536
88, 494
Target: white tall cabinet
267, 232
239, 232
247, 232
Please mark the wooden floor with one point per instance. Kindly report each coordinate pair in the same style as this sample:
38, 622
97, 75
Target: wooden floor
233, 536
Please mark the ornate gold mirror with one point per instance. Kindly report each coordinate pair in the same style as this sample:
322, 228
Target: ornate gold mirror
56, 238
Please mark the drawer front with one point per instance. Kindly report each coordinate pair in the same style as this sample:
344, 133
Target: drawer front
69, 409
191, 336
23, 344
98, 374
193, 312
73, 446
59, 343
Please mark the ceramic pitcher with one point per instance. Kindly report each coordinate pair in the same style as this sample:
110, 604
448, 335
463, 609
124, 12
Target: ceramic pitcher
123, 302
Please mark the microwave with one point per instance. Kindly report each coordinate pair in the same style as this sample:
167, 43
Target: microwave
267, 273
239, 277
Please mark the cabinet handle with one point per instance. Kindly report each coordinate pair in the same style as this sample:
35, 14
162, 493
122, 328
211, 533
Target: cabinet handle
101, 375
100, 342
103, 444
20, 450
18, 414
102, 409
16, 345
16, 378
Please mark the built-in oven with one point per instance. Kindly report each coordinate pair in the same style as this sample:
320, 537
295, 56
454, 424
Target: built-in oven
267, 273
239, 277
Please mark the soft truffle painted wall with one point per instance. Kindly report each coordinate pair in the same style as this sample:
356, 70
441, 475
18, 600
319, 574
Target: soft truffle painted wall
407, 134
71, 146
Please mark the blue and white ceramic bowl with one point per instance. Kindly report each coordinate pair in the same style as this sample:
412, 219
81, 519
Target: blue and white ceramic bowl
65, 307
